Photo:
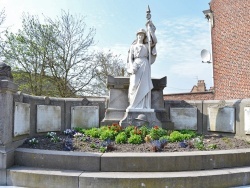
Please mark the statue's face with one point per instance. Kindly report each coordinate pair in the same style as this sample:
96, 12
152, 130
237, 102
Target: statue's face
140, 36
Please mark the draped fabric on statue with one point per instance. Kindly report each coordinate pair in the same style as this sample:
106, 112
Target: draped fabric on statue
140, 82
140, 68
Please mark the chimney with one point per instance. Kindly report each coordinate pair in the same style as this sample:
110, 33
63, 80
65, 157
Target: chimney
201, 86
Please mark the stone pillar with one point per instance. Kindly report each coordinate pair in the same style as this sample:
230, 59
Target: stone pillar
118, 99
157, 103
7, 89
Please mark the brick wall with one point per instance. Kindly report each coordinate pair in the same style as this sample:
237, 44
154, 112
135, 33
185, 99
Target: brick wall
231, 48
208, 95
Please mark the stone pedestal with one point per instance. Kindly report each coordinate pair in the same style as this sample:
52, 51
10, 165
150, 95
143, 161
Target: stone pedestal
118, 99
118, 103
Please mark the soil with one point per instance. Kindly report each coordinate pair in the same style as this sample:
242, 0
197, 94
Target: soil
65, 143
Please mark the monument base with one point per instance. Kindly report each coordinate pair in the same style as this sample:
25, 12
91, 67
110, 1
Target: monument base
131, 115
118, 111
112, 116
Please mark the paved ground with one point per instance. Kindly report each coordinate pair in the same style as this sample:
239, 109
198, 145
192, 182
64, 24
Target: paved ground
246, 186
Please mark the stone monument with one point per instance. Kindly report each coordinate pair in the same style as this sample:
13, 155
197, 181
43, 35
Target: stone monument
138, 99
7, 90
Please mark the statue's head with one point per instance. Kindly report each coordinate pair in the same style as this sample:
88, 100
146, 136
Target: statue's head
141, 31
141, 35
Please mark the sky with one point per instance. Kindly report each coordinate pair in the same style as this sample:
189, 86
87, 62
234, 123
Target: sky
181, 29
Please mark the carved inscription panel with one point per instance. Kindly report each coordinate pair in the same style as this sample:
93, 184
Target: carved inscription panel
221, 119
21, 119
85, 116
247, 120
48, 118
184, 118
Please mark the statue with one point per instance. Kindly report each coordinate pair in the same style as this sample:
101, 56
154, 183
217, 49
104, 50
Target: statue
142, 54
132, 105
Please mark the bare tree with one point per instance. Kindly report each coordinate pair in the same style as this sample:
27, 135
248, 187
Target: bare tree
2, 19
71, 63
2, 16
108, 64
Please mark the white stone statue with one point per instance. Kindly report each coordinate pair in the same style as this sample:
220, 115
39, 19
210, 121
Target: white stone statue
141, 55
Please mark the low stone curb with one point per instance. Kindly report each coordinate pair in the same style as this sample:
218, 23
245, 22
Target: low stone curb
58, 159
133, 162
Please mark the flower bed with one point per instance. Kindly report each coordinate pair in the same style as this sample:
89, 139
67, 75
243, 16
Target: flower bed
132, 139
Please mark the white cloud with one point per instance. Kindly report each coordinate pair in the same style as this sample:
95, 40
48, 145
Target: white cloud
118, 49
180, 41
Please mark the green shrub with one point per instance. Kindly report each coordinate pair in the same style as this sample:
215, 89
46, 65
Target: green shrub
164, 138
128, 130
115, 127
103, 128
177, 136
189, 132
93, 132
80, 130
198, 143
121, 138
135, 131
135, 139
108, 134
144, 131
102, 149
157, 132
92, 145
212, 146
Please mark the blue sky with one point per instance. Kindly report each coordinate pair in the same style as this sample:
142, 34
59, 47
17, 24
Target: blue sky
181, 29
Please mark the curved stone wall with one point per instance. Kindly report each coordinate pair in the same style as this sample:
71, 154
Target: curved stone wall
38, 114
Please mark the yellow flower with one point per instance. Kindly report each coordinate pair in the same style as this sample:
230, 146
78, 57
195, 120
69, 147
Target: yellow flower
147, 138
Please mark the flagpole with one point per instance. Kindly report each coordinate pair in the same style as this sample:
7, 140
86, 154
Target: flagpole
148, 16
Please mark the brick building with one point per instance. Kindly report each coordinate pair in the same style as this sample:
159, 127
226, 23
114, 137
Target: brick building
231, 48
198, 92
230, 38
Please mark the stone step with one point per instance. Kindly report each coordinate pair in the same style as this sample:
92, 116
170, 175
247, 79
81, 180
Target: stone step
10, 187
133, 162
40, 177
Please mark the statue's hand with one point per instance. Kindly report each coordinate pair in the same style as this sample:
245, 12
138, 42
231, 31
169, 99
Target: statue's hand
130, 71
132, 67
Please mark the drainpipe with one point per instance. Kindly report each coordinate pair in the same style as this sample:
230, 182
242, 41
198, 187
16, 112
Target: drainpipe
209, 16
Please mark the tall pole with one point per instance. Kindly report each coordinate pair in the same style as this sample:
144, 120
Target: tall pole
148, 16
